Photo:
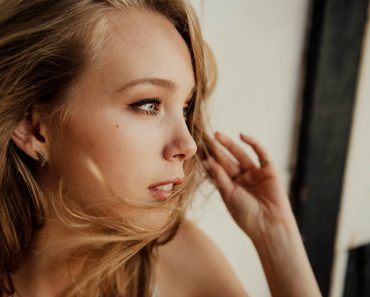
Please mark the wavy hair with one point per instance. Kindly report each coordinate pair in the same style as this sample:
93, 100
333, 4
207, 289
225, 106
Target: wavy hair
44, 46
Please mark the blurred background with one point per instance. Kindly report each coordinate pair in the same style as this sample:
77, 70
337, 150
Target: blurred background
294, 74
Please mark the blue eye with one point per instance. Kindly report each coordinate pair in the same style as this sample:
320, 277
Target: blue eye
149, 106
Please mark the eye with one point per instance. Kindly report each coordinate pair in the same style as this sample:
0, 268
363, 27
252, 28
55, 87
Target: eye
150, 106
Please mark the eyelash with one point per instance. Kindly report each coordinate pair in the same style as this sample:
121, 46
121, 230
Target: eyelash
157, 102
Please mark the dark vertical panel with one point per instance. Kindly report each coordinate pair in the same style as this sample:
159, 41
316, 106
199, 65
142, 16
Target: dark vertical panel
337, 29
357, 282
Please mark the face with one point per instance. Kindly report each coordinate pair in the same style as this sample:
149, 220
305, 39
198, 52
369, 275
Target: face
128, 116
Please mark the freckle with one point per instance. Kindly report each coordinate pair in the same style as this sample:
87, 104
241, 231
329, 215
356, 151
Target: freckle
117, 126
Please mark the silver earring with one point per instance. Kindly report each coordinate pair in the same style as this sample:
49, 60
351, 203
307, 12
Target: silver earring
42, 158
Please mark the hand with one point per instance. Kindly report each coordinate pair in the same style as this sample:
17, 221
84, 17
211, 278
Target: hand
252, 192
258, 203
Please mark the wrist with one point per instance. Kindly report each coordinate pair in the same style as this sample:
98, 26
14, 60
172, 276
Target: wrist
284, 260
280, 233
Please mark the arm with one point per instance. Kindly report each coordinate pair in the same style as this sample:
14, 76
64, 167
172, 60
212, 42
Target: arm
261, 208
285, 262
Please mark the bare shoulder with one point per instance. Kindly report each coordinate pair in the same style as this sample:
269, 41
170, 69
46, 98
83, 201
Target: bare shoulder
191, 265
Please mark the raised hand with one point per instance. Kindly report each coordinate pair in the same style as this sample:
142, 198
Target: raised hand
252, 192
258, 203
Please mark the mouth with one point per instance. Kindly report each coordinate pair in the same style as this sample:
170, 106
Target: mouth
163, 190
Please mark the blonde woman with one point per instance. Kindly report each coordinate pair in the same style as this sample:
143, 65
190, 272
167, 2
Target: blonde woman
102, 145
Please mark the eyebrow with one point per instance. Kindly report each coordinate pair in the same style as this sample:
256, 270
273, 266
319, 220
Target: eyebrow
159, 82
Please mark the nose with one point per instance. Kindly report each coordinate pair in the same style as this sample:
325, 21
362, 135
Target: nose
181, 144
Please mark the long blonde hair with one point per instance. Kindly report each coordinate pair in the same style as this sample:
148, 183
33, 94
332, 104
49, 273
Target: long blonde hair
44, 46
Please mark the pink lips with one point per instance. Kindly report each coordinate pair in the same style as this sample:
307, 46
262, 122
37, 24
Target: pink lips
162, 193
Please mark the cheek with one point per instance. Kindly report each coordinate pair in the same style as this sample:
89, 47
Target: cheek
125, 152
125, 148
128, 152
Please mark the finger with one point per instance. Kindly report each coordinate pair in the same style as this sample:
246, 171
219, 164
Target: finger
261, 153
245, 161
225, 161
221, 178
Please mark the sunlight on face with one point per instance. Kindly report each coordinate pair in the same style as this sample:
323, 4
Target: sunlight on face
128, 115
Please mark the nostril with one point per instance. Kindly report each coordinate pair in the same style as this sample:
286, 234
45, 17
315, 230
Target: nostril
180, 156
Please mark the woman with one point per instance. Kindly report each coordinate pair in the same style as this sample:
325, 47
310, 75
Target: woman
103, 143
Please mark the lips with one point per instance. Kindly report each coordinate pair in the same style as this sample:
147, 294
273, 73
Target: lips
164, 190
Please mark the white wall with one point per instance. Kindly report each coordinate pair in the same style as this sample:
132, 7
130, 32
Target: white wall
354, 218
258, 46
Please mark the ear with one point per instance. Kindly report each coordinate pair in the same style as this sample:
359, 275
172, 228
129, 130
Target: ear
30, 136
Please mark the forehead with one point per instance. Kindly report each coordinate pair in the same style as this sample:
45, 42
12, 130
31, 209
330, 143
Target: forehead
145, 44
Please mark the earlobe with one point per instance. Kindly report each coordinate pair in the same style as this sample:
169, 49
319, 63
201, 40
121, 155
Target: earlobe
27, 137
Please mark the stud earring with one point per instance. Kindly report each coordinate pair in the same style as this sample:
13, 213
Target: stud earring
42, 158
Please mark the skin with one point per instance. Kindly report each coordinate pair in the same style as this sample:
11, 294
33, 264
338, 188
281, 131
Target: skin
259, 205
132, 147
257, 201
133, 150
